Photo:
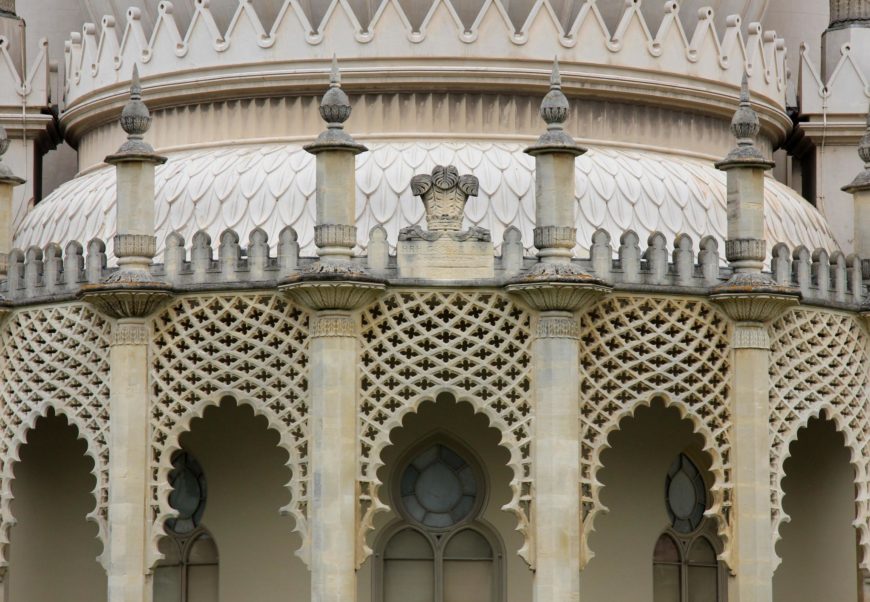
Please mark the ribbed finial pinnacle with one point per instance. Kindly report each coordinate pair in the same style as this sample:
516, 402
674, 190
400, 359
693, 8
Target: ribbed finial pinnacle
335, 106
744, 124
554, 107
135, 118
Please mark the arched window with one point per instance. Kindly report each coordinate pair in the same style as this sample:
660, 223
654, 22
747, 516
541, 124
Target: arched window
685, 563
440, 551
188, 571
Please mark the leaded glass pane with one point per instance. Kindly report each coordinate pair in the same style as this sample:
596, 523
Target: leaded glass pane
438, 488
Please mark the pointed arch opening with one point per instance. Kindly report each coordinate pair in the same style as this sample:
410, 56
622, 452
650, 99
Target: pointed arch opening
231, 542
53, 498
656, 483
819, 543
446, 482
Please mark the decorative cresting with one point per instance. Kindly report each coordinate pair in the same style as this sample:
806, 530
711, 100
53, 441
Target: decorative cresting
132, 292
849, 12
251, 347
55, 358
475, 345
820, 366
8, 181
444, 194
634, 349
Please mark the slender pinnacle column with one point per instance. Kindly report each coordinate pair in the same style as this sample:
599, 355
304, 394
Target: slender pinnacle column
557, 289
751, 299
334, 288
129, 295
7, 182
859, 188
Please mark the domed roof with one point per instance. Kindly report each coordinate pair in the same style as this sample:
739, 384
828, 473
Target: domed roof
273, 185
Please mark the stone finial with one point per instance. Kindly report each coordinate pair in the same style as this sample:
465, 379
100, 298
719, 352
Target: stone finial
554, 111
6, 175
335, 109
745, 127
862, 180
135, 120
849, 12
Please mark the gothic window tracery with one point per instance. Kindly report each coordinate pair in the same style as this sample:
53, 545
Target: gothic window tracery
440, 550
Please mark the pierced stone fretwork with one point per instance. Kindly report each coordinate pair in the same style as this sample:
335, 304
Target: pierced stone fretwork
635, 349
56, 357
251, 348
416, 345
819, 364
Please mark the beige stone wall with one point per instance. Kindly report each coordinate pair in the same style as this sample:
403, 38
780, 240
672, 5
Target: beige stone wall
818, 548
634, 473
53, 552
246, 476
457, 421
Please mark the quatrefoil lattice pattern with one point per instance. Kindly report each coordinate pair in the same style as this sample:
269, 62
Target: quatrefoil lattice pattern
416, 345
819, 365
635, 349
58, 358
252, 348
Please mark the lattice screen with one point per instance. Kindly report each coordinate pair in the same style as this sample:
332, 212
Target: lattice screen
633, 349
819, 364
473, 345
253, 348
56, 357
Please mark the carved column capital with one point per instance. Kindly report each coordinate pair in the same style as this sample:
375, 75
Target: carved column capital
334, 324
130, 332
750, 335
557, 325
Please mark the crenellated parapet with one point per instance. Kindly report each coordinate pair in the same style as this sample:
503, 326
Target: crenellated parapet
702, 66
230, 262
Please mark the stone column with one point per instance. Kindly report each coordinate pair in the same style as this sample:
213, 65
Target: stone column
859, 188
751, 299
8, 181
333, 288
557, 289
130, 295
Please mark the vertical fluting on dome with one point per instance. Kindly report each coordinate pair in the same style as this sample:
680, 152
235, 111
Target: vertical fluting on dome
849, 12
8, 181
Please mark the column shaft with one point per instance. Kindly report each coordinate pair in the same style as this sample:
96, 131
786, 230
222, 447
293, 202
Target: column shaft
753, 537
557, 460
128, 492
333, 505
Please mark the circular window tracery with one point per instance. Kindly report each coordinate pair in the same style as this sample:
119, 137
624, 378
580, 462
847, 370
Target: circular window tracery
188, 494
685, 495
439, 488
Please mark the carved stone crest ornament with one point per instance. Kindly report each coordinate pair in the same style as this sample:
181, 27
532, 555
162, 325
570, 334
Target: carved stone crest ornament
444, 194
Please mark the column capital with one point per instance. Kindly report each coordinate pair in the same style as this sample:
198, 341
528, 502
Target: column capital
557, 325
130, 331
749, 306
750, 335
334, 323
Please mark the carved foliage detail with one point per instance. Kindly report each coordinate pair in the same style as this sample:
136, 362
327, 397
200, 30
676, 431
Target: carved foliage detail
417, 344
56, 357
636, 348
253, 348
819, 363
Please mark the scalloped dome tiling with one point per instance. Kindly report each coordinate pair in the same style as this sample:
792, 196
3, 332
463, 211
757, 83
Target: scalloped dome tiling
272, 186
468, 10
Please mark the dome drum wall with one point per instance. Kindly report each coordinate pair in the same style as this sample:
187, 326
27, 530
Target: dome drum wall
665, 66
430, 115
